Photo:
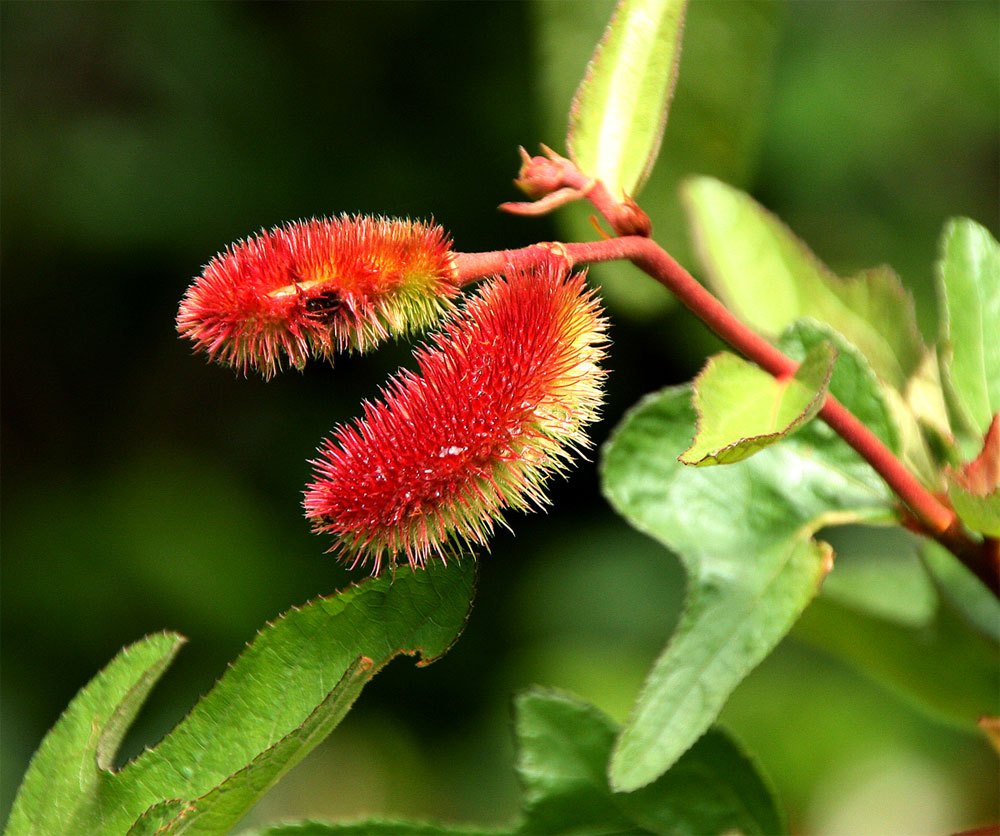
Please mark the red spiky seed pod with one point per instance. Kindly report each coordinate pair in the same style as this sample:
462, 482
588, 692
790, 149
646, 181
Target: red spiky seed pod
314, 288
499, 404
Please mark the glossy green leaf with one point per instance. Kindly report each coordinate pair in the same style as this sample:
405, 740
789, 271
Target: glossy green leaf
564, 745
59, 790
769, 278
969, 282
852, 382
742, 409
275, 703
620, 108
563, 748
744, 535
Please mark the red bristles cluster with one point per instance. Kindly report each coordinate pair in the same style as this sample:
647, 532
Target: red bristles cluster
499, 404
314, 288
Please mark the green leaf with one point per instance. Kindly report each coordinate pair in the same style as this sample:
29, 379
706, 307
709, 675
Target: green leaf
58, 791
744, 535
942, 668
742, 409
967, 593
878, 571
713, 789
769, 278
216, 811
287, 690
717, 121
980, 513
564, 745
853, 381
969, 282
620, 108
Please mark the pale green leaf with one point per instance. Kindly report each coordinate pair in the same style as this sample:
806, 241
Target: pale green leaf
620, 108
742, 409
969, 282
769, 278
57, 795
853, 381
744, 535
717, 120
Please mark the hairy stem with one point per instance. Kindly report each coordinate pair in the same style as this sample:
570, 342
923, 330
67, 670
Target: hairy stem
934, 518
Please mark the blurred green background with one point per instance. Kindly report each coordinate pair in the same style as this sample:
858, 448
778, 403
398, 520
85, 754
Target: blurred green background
144, 489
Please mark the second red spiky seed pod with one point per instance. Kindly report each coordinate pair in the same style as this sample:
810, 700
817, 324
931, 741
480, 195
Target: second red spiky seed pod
499, 405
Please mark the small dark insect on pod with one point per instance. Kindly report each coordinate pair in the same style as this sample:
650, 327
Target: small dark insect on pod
325, 306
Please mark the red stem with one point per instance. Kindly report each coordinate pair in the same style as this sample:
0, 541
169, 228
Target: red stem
935, 518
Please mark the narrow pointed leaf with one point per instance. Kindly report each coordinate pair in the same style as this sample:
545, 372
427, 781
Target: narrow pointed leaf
224, 805
969, 281
744, 536
769, 278
742, 409
263, 711
57, 794
274, 704
620, 108
716, 119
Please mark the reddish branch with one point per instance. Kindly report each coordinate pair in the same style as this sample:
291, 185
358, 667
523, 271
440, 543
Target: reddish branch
934, 518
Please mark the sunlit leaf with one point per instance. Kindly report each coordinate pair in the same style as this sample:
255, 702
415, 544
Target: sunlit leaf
716, 120
969, 283
742, 409
769, 278
620, 108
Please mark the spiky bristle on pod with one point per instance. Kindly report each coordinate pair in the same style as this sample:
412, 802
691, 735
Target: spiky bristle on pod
499, 404
314, 288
